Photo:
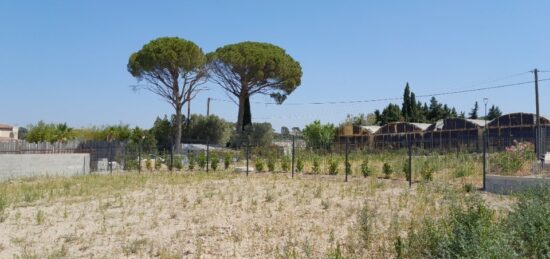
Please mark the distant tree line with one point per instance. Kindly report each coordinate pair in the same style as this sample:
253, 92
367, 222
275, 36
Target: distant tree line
412, 110
198, 129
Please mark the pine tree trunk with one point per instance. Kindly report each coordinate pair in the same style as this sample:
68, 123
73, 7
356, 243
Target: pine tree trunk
177, 141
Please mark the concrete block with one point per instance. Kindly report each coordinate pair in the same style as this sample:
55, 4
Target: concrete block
29, 165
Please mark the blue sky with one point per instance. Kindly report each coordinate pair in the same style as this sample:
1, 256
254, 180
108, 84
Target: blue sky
65, 61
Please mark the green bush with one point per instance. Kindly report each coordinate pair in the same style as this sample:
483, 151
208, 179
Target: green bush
271, 164
427, 171
470, 231
201, 161
131, 164
158, 163
214, 162
192, 163
259, 165
285, 164
227, 161
177, 163
333, 167
529, 224
469, 187
300, 164
365, 170
316, 165
149, 164
513, 159
387, 170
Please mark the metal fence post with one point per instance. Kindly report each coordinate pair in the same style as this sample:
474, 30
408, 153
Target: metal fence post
347, 163
207, 153
293, 154
410, 165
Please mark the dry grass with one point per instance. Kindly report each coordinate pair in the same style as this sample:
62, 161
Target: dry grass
215, 215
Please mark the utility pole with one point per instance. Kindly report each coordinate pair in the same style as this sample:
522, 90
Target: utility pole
537, 122
207, 137
485, 143
208, 107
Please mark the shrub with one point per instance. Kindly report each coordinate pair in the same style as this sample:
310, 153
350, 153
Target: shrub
316, 165
149, 164
214, 162
201, 161
333, 167
529, 224
427, 171
259, 165
177, 163
227, 161
469, 187
470, 231
131, 164
365, 170
285, 164
158, 163
464, 169
299, 164
513, 159
271, 164
192, 163
387, 170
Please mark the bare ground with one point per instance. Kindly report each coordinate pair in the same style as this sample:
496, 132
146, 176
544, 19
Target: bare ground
260, 216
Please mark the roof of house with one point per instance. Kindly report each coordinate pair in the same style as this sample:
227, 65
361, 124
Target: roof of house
5, 127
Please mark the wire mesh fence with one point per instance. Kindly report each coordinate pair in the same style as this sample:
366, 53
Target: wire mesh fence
387, 156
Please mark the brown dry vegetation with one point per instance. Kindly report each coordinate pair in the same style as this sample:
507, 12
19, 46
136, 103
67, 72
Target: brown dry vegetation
219, 215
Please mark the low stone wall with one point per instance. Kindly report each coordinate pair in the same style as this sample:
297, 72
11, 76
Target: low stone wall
512, 184
29, 165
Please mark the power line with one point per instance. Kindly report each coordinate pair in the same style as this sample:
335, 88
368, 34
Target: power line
401, 98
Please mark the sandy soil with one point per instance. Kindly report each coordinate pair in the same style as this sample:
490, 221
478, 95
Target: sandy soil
262, 216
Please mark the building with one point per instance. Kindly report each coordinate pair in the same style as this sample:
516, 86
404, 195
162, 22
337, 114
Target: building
8, 132
455, 134
398, 135
356, 136
515, 127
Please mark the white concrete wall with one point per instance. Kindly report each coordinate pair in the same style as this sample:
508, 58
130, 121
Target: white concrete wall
28, 165
5, 133
513, 184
